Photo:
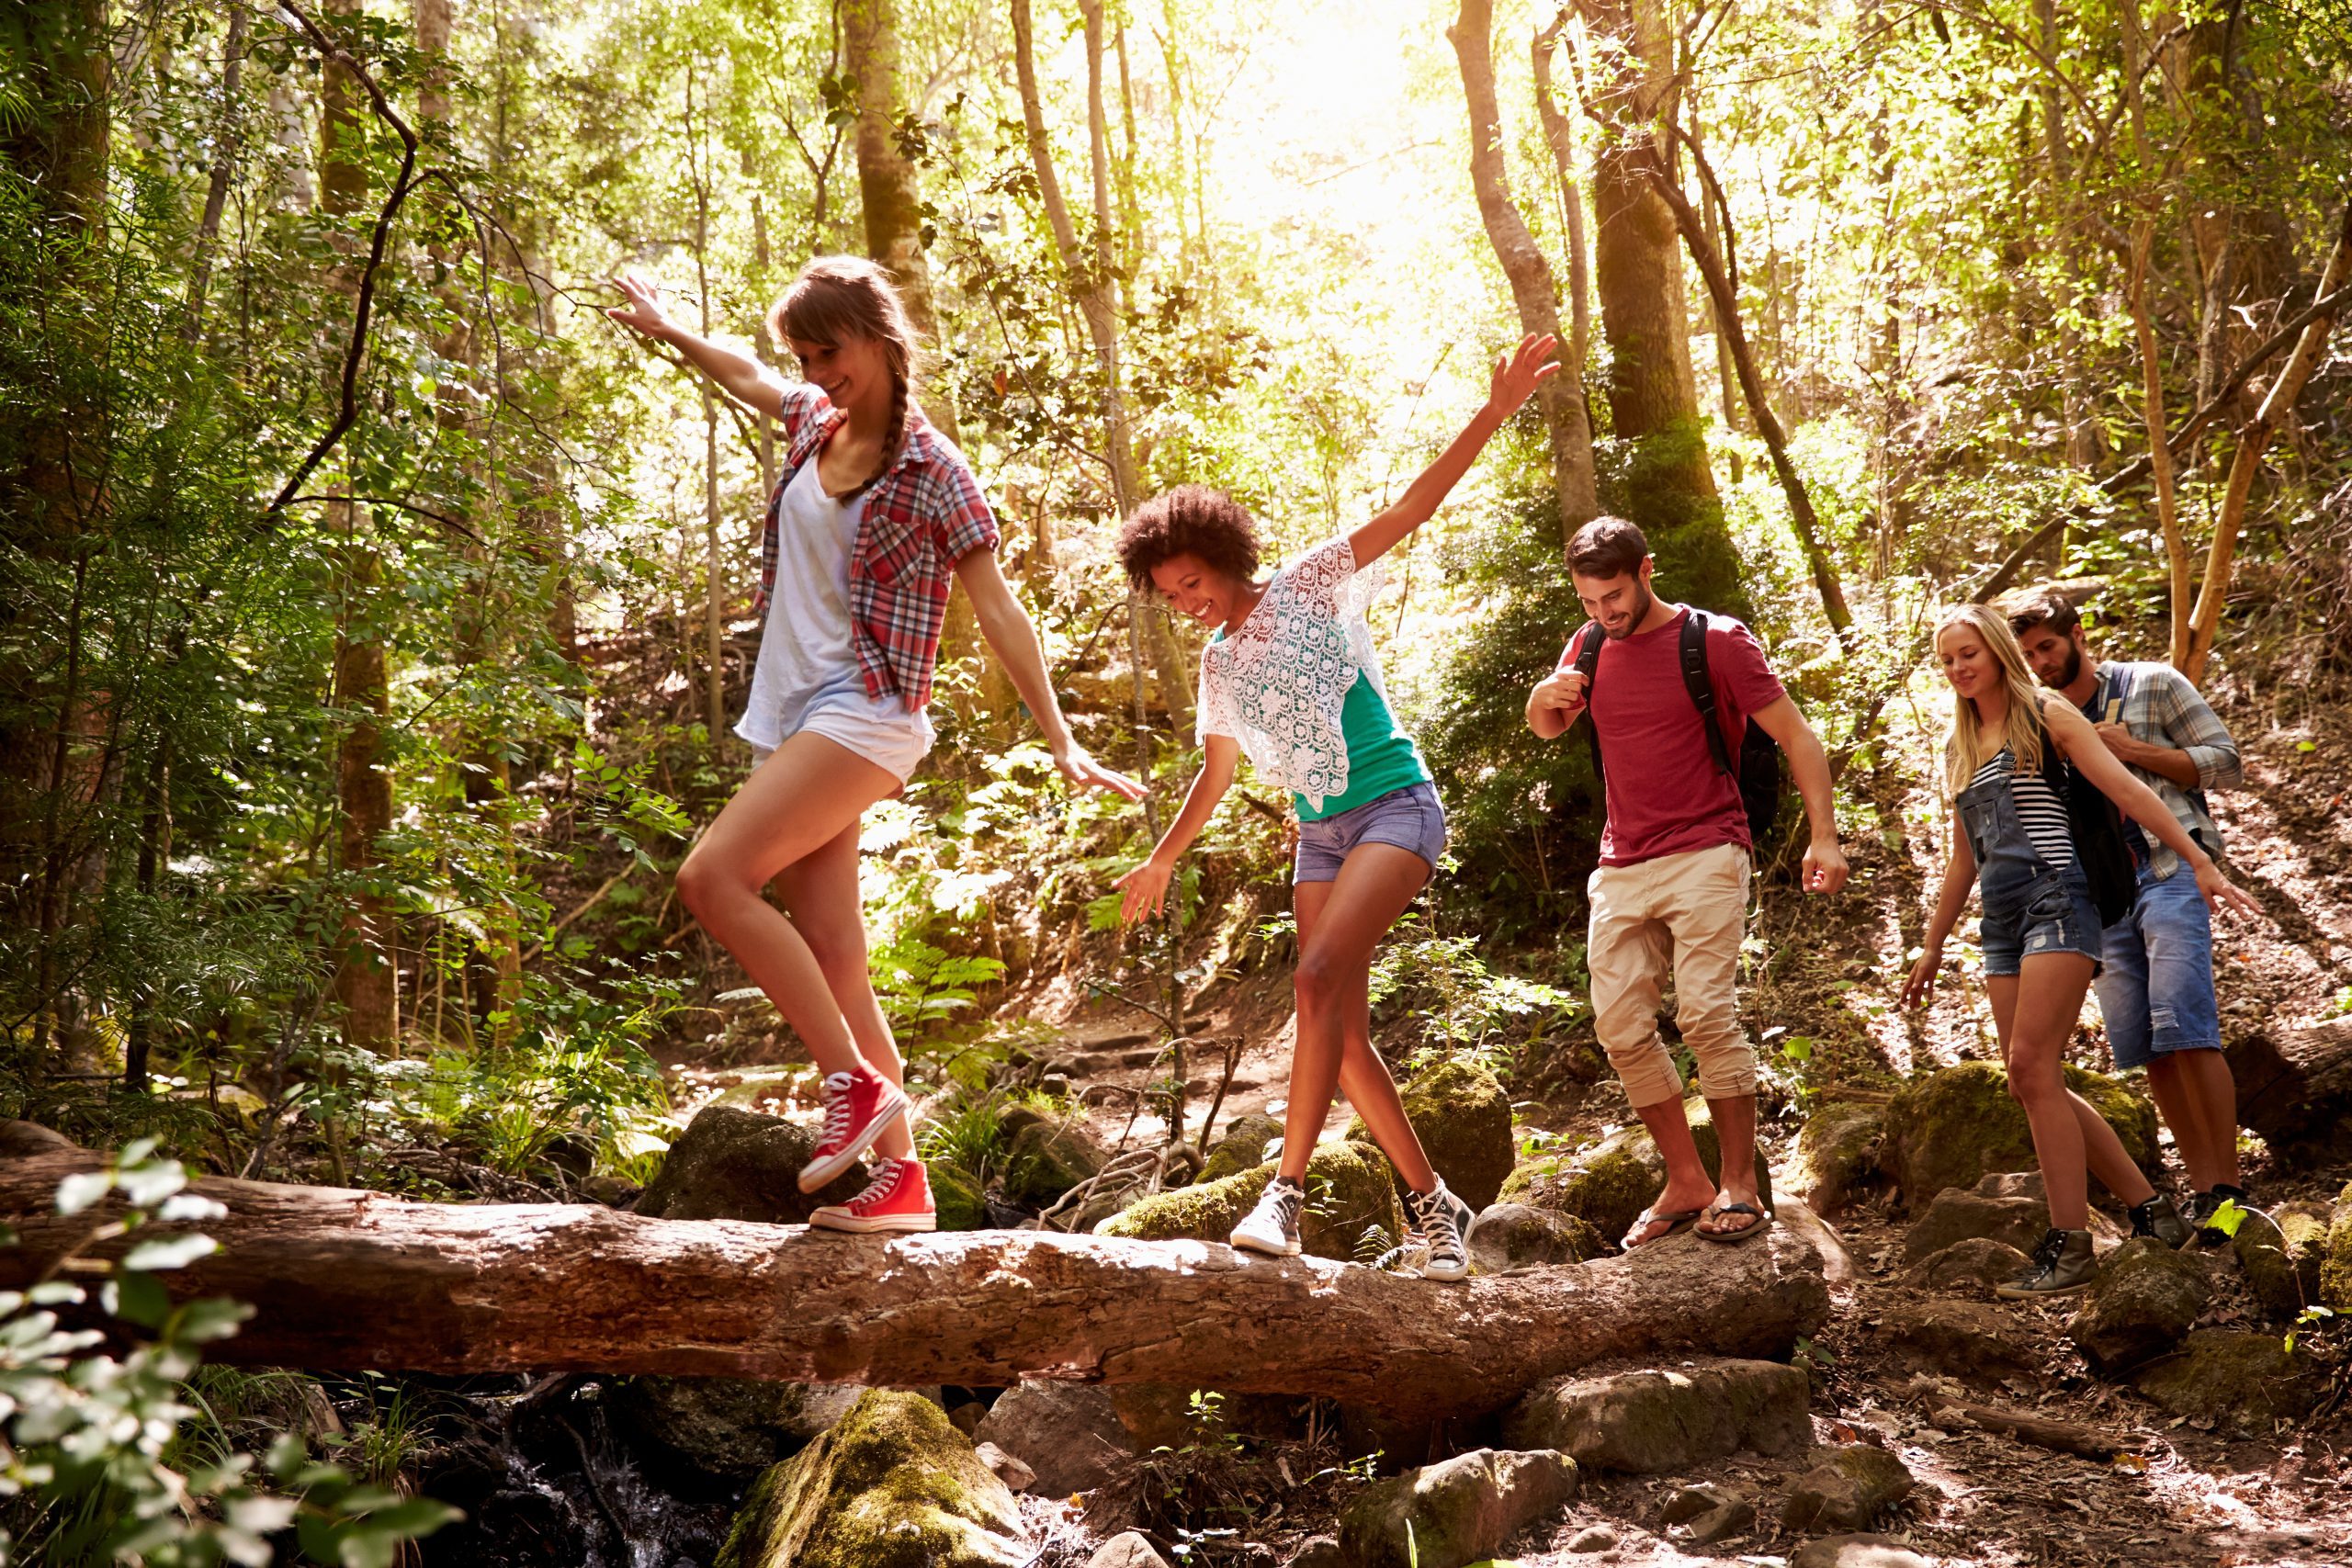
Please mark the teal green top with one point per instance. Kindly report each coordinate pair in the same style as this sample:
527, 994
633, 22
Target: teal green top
1381, 757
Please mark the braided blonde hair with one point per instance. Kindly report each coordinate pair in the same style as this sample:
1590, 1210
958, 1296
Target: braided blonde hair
838, 298
2021, 732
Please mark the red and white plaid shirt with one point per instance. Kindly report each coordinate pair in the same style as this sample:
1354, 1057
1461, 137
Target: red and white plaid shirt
922, 517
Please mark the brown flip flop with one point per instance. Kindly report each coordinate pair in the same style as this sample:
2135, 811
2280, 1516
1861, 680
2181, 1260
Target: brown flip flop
1733, 1238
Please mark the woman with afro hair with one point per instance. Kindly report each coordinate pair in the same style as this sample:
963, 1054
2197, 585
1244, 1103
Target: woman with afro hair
1290, 677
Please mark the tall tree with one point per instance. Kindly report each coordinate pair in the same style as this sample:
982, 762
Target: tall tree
1532, 290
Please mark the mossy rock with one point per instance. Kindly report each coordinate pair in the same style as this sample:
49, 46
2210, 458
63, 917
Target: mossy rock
2283, 1256
1836, 1154
741, 1165
2232, 1378
1243, 1148
1045, 1157
1348, 1191
1462, 1116
1953, 1126
730, 1428
1610, 1186
2141, 1304
957, 1198
2335, 1268
892, 1485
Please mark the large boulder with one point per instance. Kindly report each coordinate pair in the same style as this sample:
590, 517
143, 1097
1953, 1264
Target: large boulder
1511, 1236
1951, 1126
2144, 1300
1979, 1263
1462, 1116
2282, 1254
892, 1485
1045, 1157
1836, 1152
740, 1164
1243, 1148
1348, 1195
2230, 1378
1850, 1487
730, 1428
1456, 1512
1963, 1338
1954, 1215
1068, 1433
1608, 1186
1666, 1422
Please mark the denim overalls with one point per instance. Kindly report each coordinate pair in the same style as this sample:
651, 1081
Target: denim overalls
2030, 906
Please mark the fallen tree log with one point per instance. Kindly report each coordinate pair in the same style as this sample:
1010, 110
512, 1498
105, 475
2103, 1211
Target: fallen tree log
2294, 1084
351, 1280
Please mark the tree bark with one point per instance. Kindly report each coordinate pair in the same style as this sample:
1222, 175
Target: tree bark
1560, 134
343, 1279
1532, 290
2293, 1084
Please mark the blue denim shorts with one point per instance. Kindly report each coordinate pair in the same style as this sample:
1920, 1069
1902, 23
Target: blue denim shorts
1409, 818
2156, 990
2051, 912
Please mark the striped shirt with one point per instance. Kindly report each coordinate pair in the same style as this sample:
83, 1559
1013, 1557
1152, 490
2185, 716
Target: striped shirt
2040, 812
2162, 709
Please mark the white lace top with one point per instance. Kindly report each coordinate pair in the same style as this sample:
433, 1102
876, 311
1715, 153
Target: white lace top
1277, 684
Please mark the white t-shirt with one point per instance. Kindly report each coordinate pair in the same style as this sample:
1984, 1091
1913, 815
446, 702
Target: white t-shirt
808, 674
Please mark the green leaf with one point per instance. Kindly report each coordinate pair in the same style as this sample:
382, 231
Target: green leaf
137, 1298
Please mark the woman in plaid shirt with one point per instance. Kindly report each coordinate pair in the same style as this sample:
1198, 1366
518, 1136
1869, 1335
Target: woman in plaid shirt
875, 513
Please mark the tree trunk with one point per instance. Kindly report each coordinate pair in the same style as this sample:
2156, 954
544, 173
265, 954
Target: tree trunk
1523, 264
343, 1279
227, 139
1560, 134
2294, 1085
57, 137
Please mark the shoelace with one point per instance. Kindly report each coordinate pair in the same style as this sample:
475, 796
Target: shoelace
885, 1182
2052, 1249
837, 1109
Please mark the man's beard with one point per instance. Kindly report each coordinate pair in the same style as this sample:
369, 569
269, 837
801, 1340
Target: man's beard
1640, 614
2069, 675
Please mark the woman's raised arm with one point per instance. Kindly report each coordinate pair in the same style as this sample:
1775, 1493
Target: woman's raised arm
738, 375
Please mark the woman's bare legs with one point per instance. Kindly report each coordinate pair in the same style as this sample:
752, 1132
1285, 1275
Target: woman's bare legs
820, 897
2035, 1011
1339, 924
806, 795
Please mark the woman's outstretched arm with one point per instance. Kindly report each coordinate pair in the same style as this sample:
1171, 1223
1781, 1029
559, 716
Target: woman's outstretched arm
1516, 375
2076, 737
1146, 884
738, 375
1006, 627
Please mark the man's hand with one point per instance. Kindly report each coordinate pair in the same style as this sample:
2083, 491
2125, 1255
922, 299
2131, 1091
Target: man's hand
1562, 691
2119, 740
1824, 866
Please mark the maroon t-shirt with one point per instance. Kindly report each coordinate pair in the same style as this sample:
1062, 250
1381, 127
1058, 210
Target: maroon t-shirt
1666, 795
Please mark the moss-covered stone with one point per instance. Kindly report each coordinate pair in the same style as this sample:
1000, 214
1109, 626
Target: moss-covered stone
734, 1428
1243, 1148
1456, 1512
1608, 1186
1462, 1116
1666, 1422
2231, 1376
1507, 1237
957, 1198
1851, 1486
1349, 1192
740, 1164
2282, 1256
892, 1485
1951, 1127
2145, 1297
1045, 1157
2335, 1268
1836, 1152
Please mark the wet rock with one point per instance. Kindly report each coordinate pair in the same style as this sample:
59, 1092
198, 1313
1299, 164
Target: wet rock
1979, 1261
1591, 1538
2282, 1256
1666, 1421
2232, 1378
2335, 1268
1851, 1486
1016, 1476
1951, 1126
1608, 1186
1243, 1147
1125, 1550
1836, 1152
1349, 1195
734, 1428
1460, 1114
1510, 1237
1707, 1513
893, 1485
1858, 1552
1069, 1434
1954, 1215
1045, 1157
1457, 1512
740, 1164
2143, 1301
1964, 1338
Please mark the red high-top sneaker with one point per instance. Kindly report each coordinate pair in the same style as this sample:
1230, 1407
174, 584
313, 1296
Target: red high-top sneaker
858, 1106
899, 1199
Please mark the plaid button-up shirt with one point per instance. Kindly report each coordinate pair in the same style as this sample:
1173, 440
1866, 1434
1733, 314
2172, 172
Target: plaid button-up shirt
2162, 709
922, 517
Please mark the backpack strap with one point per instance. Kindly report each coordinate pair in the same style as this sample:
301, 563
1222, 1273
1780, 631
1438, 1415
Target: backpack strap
1701, 684
1584, 656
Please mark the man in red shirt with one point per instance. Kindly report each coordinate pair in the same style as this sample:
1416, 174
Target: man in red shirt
1673, 877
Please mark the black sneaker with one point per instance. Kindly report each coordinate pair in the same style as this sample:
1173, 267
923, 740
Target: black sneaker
2205, 1205
1440, 1224
1272, 1226
2159, 1217
2062, 1265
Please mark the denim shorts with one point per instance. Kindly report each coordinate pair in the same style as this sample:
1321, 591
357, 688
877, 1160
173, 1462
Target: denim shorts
2156, 990
1409, 818
2050, 912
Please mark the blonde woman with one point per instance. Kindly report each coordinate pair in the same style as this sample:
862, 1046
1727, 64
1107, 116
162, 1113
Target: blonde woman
2005, 767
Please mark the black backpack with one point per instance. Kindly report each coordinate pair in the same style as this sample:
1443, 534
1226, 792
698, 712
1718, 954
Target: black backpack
2096, 829
1759, 772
